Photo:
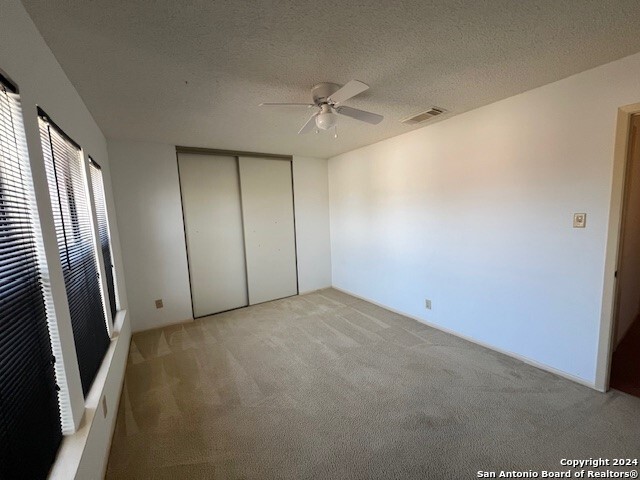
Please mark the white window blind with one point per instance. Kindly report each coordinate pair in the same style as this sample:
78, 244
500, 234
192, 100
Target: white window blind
69, 200
100, 206
30, 430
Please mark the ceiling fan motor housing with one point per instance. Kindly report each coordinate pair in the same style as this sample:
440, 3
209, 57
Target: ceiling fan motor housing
322, 91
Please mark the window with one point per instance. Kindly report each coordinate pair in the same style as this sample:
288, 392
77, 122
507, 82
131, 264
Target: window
103, 231
30, 430
68, 190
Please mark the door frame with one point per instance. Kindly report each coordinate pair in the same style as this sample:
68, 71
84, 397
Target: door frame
237, 154
230, 153
613, 246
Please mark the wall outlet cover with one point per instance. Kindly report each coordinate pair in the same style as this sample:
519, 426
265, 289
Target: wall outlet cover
104, 406
427, 304
159, 303
579, 220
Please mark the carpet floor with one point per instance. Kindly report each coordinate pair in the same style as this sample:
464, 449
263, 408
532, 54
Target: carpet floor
327, 386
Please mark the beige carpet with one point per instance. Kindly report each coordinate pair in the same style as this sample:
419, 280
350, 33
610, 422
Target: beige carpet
327, 386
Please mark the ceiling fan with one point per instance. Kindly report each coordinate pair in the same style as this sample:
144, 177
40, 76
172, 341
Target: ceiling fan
327, 98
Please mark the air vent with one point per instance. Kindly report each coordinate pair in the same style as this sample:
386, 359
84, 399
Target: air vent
424, 116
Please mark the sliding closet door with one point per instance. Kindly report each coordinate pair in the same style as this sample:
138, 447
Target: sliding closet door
213, 226
267, 208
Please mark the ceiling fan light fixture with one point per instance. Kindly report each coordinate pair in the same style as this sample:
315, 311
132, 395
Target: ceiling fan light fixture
328, 98
326, 119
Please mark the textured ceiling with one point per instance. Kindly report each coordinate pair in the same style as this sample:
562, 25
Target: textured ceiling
192, 72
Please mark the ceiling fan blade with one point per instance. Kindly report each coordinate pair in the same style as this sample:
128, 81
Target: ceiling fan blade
372, 118
267, 104
351, 89
309, 126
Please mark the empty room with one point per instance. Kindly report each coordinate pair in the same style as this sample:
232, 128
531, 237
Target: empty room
303, 240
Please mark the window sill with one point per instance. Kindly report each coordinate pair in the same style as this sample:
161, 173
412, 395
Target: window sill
84, 453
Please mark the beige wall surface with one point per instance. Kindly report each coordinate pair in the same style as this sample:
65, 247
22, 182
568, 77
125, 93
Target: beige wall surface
475, 214
147, 192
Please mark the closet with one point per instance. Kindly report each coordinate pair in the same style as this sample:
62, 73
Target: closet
239, 228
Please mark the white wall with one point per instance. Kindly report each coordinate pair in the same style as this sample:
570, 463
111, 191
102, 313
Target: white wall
147, 192
27, 60
311, 189
475, 213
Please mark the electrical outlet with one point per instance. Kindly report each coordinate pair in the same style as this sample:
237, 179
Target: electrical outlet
159, 303
579, 220
427, 304
104, 406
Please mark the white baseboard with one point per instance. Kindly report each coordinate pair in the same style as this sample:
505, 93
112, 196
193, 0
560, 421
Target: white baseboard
314, 290
528, 361
170, 324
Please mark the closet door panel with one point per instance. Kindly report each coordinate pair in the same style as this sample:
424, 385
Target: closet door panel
267, 208
213, 227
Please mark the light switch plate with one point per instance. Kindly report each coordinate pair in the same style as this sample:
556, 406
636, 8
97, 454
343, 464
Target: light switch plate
159, 303
579, 220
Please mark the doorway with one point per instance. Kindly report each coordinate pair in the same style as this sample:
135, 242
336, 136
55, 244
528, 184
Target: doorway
625, 363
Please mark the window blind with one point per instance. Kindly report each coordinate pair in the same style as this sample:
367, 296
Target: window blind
30, 431
100, 206
68, 190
